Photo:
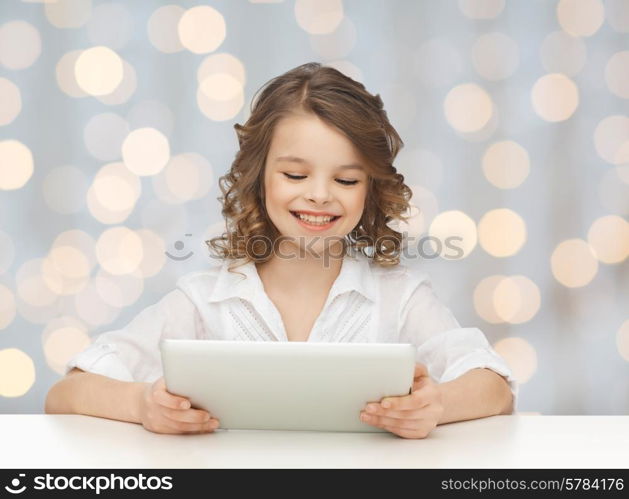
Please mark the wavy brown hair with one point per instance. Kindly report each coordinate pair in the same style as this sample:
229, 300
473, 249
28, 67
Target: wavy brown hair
344, 104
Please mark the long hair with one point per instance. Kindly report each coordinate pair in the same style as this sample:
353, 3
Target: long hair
342, 103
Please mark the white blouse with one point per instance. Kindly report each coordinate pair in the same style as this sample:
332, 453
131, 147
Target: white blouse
367, 303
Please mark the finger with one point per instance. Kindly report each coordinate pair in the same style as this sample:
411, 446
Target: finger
378, 410
407, 402
183, 427
384, 421
187, 416
420, 371
166, 399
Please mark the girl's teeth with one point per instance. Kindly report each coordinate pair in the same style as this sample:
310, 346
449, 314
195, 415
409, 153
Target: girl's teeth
315, 220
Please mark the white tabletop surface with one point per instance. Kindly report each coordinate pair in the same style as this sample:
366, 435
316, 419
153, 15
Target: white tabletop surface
519, 441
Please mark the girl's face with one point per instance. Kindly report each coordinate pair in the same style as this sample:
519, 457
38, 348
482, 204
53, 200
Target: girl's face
314, 181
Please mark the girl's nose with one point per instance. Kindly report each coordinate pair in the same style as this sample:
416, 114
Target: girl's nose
318, 192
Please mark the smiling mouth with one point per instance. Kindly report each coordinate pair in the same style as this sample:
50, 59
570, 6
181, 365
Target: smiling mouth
332, 219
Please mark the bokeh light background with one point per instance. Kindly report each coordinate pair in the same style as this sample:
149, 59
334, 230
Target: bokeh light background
116, 121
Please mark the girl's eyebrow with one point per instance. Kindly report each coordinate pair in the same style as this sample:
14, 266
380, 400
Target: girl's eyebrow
296, 159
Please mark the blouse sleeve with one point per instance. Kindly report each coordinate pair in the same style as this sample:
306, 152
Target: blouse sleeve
132, 353
447, 349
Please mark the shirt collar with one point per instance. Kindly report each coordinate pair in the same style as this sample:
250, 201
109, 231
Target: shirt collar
355, 275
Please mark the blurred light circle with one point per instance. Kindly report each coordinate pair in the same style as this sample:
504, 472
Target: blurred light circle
63, 275
622, 340
68, 13
7, 252
481, 9
66, 79
563, 53
336, 44
104, 134
519, 355
453, 229
617, 74
495, 56
186, 177
153, 249
162, 28
62, 339
11, 101
483, 299
145, 151
468, 108
614, 193
119, 290
506, 164
64, 189
580, 17
151, 114
219, 110
516, 299
437, 63
617, 12
501, 232
507, 299
7, 307
319, 17
125, 89
574, 263
16, 165
113, 193
221, 87
119, 250
30, 284
201, 29
20, 45
222, 63
611, 139
555, 97
80, 240
17, 372
110, 24
623, 173
69, 261
609, 237
98, 70
91, 308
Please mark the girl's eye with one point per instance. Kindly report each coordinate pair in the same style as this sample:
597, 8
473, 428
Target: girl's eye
294, 177
301, 177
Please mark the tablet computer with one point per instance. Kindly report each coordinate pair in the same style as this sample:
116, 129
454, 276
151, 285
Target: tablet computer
274, 385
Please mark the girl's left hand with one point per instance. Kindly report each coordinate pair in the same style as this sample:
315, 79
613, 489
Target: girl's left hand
409, 416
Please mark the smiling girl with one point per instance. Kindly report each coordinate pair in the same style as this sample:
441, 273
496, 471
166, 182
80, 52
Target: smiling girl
308, 255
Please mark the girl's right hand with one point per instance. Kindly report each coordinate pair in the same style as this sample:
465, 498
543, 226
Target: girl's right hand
163, 412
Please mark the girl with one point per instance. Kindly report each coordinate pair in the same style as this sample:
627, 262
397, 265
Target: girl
308, 255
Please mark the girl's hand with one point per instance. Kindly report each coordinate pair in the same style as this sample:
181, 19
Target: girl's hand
163, 412
409, 416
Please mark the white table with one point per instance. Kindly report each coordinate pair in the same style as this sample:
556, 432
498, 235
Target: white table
520, 441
